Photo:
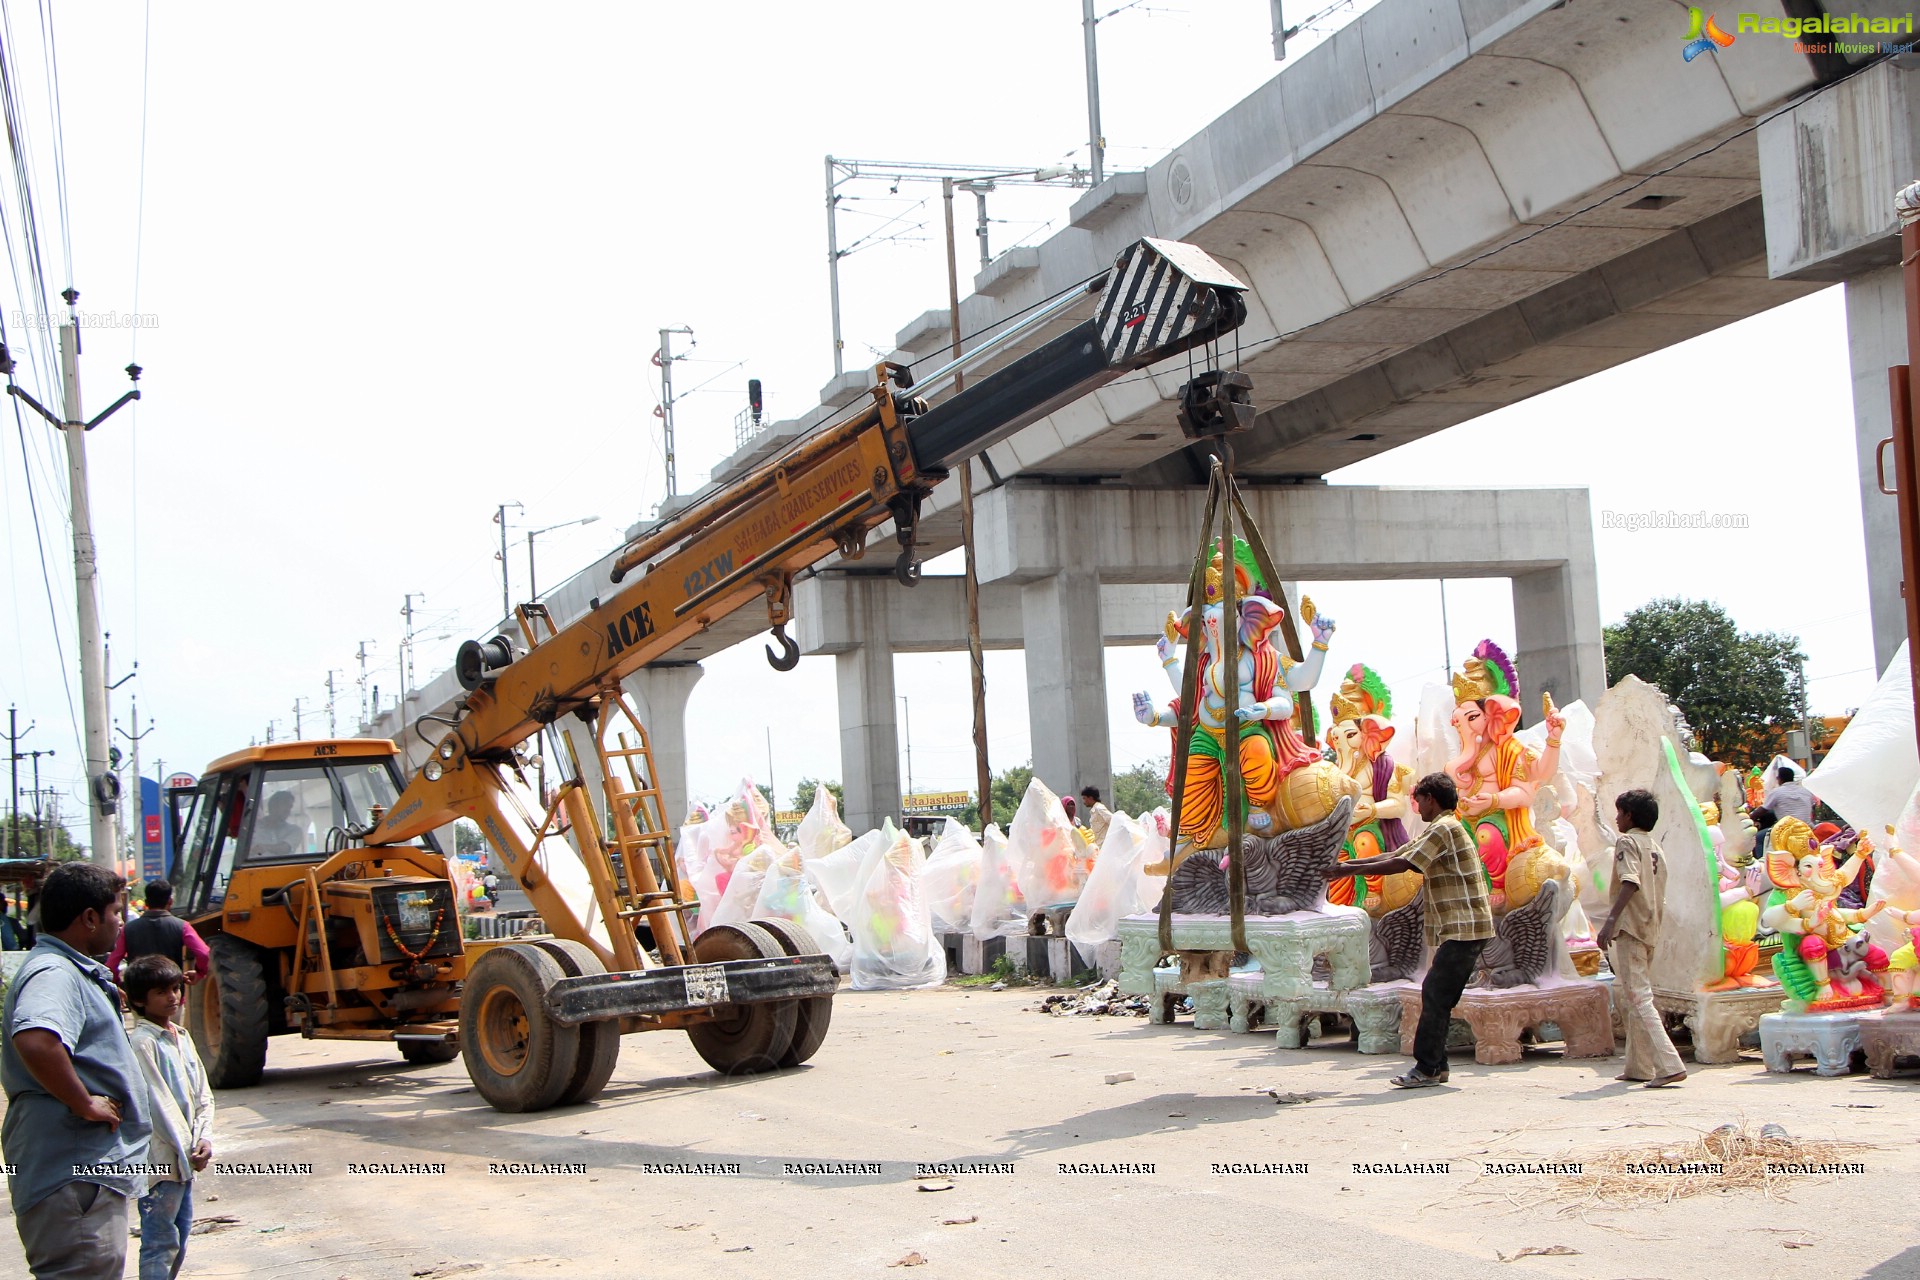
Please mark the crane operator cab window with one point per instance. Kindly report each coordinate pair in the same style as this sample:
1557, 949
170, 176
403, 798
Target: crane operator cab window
277, 813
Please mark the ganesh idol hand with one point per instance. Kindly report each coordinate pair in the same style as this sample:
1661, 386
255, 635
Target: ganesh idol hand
1247, 714
1322, 628
1143, 709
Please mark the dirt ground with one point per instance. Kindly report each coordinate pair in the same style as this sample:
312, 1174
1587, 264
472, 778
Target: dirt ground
980, 1077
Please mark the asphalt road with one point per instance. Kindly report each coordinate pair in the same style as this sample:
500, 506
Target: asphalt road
406, 1163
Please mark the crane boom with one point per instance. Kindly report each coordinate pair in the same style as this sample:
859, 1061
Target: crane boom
749, 537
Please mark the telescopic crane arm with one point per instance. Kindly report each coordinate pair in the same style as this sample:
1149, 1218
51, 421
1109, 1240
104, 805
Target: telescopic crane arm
749, 537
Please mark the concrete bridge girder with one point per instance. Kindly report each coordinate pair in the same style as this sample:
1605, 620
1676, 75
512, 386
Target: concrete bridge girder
1061, 563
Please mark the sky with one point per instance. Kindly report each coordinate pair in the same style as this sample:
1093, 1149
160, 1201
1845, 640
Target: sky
399, 266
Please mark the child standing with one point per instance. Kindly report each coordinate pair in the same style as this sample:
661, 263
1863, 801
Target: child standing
1631, 933
182, 1112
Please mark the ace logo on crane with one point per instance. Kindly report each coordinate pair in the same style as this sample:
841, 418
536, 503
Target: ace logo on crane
630, 628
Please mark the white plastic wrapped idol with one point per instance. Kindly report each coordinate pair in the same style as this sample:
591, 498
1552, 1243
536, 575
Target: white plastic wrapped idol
787, 894
894, 944
1049, 859
998, 909
821, 831
737, 901
952, 876
839, 875
1119, 885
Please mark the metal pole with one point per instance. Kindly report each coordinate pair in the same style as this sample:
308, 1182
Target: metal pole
1446, 646
1096, 144
533, 592
833, 262
39, 828
980, 197
86, 578
976, 659
907, 724
772, 790
506, 605
1279, 34
665, 358
13, 751
333, 730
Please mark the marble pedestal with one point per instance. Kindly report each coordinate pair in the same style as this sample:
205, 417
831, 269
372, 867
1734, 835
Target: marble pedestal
1577, 1010
1286, 947
1717, 1021
1830, 1039
1374, 1011
1888, 1037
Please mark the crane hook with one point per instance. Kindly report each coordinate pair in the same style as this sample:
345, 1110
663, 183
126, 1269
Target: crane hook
789, 656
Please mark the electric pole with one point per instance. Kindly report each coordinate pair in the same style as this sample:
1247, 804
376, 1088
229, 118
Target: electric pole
406, 644
333, 729
38, 831
86, 570
1096, 144
363, 682
664, 358
297, 727
139, 791
500, 518
14, 735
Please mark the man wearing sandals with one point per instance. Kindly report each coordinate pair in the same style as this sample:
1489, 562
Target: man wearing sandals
1630, 934
1458, 917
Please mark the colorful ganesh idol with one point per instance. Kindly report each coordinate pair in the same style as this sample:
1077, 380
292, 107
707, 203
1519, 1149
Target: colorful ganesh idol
1359, 735
1826, 962
1498, 777
1287, 783
1739, 912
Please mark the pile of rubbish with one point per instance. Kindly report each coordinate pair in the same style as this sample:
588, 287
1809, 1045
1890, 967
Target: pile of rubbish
878, 904
1104, 1000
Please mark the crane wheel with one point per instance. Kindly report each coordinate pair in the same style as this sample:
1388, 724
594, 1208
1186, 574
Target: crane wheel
813, 1014
227, 1014
518, 1058
747, 1038
422, 1053
599, 1041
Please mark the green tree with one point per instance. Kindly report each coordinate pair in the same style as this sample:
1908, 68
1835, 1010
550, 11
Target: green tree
26, 839
1141, 788
1738, 689
467, 840
803, 794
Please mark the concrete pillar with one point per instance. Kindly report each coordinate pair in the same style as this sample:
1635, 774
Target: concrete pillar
1557, 638
1067, 681
1876, 339
660, 694
869, 727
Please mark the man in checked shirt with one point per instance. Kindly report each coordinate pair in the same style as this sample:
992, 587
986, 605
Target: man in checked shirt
1459, 917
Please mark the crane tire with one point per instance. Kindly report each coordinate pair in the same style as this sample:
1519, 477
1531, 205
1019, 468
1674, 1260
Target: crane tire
813, 1013
227, 1014
747, 1038
599, 1041
518, 1058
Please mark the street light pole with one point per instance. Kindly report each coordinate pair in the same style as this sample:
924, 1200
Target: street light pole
908, 725
533, 590
976, 658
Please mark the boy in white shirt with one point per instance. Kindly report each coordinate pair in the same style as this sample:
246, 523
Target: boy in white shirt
182, 1104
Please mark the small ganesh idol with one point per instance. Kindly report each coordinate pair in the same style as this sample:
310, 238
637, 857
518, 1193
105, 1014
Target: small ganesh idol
1826, 961
1359, 736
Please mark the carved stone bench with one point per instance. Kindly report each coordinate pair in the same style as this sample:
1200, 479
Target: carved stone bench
1830, 1039
1286, 947
1717, 1021
1889, 1037
1578, 1010
1374, 1012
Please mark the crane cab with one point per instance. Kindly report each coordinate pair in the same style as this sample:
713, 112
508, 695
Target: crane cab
309, 934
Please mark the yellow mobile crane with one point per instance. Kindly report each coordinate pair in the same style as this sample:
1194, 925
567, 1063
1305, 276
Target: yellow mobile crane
352, 934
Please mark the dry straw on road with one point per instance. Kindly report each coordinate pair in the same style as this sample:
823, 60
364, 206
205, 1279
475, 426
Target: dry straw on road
1727, 1160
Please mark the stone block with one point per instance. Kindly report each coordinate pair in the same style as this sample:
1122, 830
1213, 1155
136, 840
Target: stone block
1888, 1039
1286, 947
1718, 1021
1830, 1039
1577, 1011
1373, 1011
